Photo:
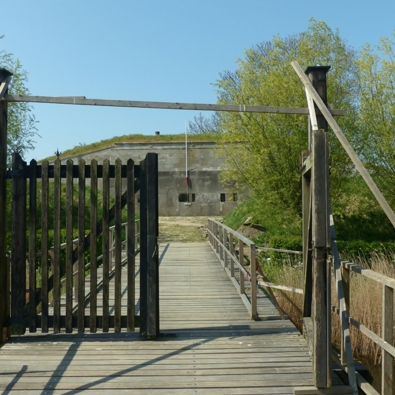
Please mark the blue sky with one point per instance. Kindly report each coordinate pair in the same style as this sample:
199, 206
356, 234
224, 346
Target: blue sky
154, 50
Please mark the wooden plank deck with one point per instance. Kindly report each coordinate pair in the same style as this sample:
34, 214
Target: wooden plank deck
208, 344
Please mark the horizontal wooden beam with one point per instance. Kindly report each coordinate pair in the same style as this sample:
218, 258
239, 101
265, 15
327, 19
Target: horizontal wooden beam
363, 271
63, 171
279, 250
81, 100
268, 284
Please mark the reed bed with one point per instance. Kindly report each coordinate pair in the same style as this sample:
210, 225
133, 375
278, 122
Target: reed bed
365, 299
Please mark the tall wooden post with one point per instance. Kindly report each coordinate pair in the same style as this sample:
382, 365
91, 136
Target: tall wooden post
149, 257
5, 77
307, 247
321, 303
18, 246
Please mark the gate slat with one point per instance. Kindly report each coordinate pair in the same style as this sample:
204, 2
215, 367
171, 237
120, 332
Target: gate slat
44, 246
18, 247
93, 247
143, 250
32, 245
69, 246
131, 246
81, 245
118, 246
4, 294
56, 249
106, 243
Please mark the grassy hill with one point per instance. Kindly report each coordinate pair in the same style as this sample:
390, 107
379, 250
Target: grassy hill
134, 138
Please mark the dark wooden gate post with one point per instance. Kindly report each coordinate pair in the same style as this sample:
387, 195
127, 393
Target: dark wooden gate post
18, 245
321, 290
307, 247
5, 77
149, 262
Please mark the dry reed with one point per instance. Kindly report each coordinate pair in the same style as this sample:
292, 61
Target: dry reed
365, 301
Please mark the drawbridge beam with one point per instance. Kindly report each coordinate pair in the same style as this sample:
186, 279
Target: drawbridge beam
83, 101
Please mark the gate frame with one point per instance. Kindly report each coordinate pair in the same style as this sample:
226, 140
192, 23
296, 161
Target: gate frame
23, 315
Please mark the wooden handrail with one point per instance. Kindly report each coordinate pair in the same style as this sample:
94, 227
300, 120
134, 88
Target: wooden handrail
221, 238
279, 250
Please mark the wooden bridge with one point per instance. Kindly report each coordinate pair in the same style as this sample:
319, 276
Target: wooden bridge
208, 343
218, 332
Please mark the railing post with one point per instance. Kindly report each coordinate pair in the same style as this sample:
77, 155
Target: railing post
387, 365
346, 289
232, 254
225, 242
320, 239
5, 77
254, 312
217, 239
241, 262
221, 242
213, 227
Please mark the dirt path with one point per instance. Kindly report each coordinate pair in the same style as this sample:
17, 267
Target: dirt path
183, 229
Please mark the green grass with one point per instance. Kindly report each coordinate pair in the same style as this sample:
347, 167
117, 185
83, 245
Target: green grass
276, 220
134, 138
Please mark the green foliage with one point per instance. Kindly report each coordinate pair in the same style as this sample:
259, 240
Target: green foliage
264, 150
376, 116
277, 221
22, 129
358, 216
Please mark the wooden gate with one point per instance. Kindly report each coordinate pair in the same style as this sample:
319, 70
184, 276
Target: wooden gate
66, 225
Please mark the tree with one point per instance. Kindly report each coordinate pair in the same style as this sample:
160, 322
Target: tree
376, 117
22, 129
264, 150
202, 125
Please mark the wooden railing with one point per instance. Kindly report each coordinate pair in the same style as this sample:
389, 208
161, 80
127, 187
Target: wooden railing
385, 341
229, 247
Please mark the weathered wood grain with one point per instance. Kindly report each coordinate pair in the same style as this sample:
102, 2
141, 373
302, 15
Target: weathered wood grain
93, 247
44, 246
18, 246
81, 246
106, 244
207, 343
118, 245
3, 218
78, 100
69, 246
32, 245
56, 249
131, 246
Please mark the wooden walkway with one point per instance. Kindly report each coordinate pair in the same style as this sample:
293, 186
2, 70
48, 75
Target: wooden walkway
208, 344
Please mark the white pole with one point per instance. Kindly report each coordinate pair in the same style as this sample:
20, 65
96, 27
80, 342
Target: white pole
186, 153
